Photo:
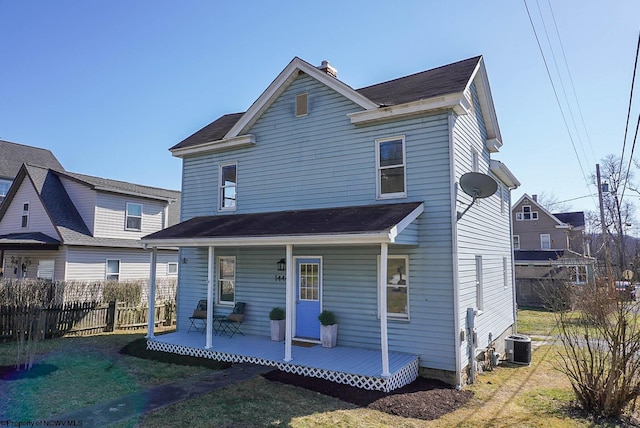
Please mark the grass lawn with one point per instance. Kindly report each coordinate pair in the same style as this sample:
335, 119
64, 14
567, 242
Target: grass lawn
90, 370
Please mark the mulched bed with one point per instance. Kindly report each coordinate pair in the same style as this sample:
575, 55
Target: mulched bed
425, 399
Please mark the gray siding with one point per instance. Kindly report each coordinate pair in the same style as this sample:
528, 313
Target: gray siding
530, 230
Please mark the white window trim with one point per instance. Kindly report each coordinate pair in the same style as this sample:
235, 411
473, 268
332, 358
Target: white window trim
169, 264
505, 272
479, 279
379, 194
541, 246
25, 213
127, 216
41, 268
106, 269
513, 239
221, 187
475, 160
219, 280
586, 274
394, 316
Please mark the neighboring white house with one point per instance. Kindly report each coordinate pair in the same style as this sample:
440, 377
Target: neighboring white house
356, 192
64, 226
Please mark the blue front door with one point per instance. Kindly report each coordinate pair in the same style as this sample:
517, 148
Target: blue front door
308, 292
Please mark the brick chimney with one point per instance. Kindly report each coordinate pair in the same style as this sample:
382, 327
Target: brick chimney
534, 197
327, 68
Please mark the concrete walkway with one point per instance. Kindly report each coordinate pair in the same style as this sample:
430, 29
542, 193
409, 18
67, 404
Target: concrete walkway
139, 403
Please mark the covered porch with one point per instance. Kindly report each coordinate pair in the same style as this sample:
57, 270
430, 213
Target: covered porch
361, 368
373, 226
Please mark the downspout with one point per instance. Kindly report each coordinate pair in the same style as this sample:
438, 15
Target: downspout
454, 252
514, 303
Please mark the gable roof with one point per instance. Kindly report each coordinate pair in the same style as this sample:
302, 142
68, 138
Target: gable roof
541, 208
13, 155
442, 87
375, 223
64, 215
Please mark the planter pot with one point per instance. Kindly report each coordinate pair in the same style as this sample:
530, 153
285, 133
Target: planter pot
277, 330
329, 335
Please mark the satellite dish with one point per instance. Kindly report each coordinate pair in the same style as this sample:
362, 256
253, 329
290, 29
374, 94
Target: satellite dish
478, 186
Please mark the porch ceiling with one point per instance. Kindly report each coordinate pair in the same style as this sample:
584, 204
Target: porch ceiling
379, 223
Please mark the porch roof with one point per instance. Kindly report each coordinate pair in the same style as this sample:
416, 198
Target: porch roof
28, 241
342, 225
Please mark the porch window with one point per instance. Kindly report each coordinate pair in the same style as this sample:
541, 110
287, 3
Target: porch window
398, 287
391, 171
46, 269
226, 280
113, 270
228, 186
134, 216
25, 215
578, 274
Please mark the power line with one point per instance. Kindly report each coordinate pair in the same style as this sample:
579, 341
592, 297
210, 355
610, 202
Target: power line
633, 78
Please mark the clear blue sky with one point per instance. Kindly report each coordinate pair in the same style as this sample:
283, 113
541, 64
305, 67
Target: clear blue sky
109, 86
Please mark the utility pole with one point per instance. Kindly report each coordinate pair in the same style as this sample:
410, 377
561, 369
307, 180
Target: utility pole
605, 238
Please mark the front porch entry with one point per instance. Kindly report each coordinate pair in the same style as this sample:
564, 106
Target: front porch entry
308, 295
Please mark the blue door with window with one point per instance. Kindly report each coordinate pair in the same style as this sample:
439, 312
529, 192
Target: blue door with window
308, 292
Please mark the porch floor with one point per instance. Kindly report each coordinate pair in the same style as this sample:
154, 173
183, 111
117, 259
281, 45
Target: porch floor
357, 367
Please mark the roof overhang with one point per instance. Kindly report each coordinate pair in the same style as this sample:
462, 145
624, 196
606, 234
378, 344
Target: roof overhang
502, 172
373, 224
28, 241
239, 142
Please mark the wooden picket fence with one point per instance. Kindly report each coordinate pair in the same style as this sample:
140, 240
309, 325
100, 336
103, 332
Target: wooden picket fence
79, 318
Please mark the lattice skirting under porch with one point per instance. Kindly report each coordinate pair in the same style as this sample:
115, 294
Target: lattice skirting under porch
402, 377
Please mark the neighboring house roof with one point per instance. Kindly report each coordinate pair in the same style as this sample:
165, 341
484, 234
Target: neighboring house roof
62, 212
575, 219
439, 88
309, 223
13, 155
532, 201
523, 256
26, 241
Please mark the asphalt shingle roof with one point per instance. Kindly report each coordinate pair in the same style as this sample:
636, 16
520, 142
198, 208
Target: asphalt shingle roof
575, 219
13, 155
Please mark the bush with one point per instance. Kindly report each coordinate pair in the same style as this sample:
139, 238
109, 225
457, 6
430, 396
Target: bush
327, 318
277, 314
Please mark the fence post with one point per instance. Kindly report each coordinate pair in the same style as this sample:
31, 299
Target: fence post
111, 317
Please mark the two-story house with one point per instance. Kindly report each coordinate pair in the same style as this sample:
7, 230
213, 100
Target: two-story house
60, 225
322, 197
13, 155
548, 247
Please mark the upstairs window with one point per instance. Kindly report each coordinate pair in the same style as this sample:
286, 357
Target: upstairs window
4, 187
134, 216
228, 186
545, 241
526, 214
25, 215
391, 171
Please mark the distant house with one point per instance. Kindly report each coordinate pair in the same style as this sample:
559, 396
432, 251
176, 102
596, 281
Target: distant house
60, 225
548, 247
13, 155
322, 197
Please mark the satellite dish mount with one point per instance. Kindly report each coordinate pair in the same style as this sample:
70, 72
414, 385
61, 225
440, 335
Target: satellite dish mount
478, 186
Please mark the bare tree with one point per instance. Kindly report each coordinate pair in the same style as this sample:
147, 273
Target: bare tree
551, 203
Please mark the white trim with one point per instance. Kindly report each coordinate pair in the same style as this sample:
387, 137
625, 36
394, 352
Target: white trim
493, 145
282, 81
218, 280
457, 102
127, 215
211, 283
289, 302
383, 309
479, 276
169, 264
379, 194
151, 299
221, 187
382, 292
25, 213
234, 143
501, 171
513, 237
106, 268
548, 235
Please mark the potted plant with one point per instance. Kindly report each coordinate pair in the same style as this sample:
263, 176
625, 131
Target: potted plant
328, 329
277, 317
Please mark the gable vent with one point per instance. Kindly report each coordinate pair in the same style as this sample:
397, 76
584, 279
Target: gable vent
301, 105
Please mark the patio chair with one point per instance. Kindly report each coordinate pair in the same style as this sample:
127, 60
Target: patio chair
199, 317
231, 324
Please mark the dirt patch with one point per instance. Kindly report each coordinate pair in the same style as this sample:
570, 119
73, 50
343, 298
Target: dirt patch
425, 399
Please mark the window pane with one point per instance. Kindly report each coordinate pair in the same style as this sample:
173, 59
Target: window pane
4, 187
226, 279
309, 281
134, 210
134, 223
391, 153
113, 266
228, 175
229, 197
397, 300
392, 180
397, 286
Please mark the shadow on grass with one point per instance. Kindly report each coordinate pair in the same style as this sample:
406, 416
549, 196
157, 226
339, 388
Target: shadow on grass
36, 371
138, 348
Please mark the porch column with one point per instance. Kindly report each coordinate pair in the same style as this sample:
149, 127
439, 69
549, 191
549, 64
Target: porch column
210, 284
289, 301
151, 313
382, 292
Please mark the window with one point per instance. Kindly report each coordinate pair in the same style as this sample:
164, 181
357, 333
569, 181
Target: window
505, 272
545, 241
578, 274
516, 242
479, 285
390, 164
4, 187
501, 195
397, 287
25, 215
113, 270
46, 269
228, 186
526, 214
172, 268
226, 280
134, 216
302, 105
